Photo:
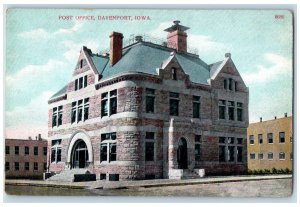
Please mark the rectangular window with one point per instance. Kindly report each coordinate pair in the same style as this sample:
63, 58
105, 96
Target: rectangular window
260, 156
150, 99
113, 152
36, 151
260, 138
59, 118
174, 74
35, 166
103, 149
252, 156
270, 156
113, 177
104, 104
80, 85
45, 151
109, 103
108, 147
45, 166
270, 138
174, 104
26, 166
231, 153
239, 154
73, 116
26, 150
113, 102
240, 140
251, 139
281, 137
239, 111
281, 156
79, 111
85, 81
196, 106
54, 117
222, 105
149, 148
6, 166
76, 84
231, 110
225, 84
58, 158
17, 167
102, 176
86, 109
291, 156
198, 141
230, 84
7, 149
236, 86
16, 150
56, 151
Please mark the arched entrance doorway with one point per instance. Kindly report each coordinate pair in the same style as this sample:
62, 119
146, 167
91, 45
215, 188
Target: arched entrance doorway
182, 157
80, 155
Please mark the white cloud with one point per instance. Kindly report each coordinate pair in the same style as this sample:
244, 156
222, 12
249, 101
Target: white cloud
41, 33
33, 73
34, 113
73, 48
279, 65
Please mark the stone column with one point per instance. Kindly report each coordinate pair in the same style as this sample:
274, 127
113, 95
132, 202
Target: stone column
172, 150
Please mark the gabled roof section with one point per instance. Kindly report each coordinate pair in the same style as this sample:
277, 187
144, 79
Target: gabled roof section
145, 57
215, 68
60, 92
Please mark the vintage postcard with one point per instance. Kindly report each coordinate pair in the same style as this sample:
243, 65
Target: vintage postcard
141, 102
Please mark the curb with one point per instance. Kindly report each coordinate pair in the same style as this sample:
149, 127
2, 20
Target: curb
150, 185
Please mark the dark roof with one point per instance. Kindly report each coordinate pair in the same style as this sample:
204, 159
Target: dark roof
214, 67
60, 92
146, 57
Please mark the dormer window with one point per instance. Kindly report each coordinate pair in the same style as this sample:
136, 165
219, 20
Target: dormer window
81, 82
174, 74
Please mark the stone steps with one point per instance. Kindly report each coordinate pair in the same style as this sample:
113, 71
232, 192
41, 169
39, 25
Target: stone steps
67, 175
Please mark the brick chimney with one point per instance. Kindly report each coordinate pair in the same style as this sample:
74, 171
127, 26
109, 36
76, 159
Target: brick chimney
177, 37
116, 45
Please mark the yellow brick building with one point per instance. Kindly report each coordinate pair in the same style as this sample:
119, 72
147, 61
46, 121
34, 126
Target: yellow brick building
270, 144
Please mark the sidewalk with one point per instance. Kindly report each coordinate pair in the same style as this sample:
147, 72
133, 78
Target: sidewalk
99, 184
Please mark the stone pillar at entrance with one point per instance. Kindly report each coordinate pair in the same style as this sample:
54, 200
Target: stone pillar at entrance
172, 150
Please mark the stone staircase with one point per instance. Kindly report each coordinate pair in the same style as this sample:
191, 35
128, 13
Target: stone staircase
67, 175
190, 174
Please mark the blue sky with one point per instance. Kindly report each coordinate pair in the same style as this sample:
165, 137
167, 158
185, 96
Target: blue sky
41, 53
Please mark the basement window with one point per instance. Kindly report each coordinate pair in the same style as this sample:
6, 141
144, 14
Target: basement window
113, 177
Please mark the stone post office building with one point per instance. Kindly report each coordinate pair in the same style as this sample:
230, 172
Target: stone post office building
147, 110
